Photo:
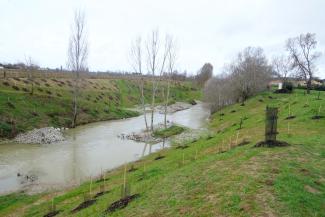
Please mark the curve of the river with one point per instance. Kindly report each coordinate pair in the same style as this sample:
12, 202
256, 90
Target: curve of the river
88, 150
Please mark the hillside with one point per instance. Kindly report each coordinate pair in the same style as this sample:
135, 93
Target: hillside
51, 103
217, 175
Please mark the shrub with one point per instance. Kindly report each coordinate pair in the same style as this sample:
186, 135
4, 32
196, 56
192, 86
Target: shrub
25, 89
48, 85
5, 83
11, 105
287, 87
40, 89
5, 129
15, 87
48, 92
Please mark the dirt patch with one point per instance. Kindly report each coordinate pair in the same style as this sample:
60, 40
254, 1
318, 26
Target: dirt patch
244, 142
290, 117
182, 147
132, 169
160, 157
275, 170
51, 214
269, 182
317, 117
122, 203
305, 171
272, 144
83, 205
311, 189
101, 194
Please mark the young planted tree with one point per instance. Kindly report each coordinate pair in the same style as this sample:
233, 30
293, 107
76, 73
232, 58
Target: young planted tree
77, 57
156, 59
303, 56
136, 62
171, 60
31, 66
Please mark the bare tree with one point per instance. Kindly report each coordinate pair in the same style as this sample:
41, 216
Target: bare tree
136, 62
156, 58
250, 73
303, 55
282, 67
170, 64
31, 66
77, 56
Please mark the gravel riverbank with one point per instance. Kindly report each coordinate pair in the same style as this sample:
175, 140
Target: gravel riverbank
45, 135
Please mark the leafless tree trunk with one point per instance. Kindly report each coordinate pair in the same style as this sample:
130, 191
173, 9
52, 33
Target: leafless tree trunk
136, 61
77, 56
304, 56
171, 59
155, 60
30, 66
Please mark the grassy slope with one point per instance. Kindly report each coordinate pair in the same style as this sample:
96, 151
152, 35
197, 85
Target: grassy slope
243, 181
51, 105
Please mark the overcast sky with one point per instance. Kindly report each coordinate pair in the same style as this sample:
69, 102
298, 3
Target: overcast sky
207, 30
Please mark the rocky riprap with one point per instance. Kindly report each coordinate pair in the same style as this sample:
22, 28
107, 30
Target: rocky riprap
45, 135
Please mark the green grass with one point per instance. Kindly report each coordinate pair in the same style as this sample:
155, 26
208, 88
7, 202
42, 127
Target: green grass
51, 103
211, 179
168, 132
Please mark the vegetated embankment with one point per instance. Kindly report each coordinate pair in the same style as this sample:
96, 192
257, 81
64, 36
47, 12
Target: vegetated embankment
51, 102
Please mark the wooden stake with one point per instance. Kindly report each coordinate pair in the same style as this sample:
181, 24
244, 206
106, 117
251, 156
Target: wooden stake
104, 180
289, 111
237, 138
124, 178
91, 183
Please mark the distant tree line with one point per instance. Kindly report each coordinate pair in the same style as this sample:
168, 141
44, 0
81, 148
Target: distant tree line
251, 72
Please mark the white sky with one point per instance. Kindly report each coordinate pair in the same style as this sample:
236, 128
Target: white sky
207, 30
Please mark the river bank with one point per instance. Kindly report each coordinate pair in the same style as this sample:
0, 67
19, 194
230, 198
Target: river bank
48, 135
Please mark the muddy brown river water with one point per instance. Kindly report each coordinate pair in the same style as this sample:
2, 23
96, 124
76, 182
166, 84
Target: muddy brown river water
88, 150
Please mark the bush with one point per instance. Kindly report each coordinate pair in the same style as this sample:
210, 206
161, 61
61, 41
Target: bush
5, 83
287, 87
15, 87
5, 129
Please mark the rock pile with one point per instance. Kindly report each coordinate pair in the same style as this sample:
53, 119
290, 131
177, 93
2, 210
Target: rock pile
45, 135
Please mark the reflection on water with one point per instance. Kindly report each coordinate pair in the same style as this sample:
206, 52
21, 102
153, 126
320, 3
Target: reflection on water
89, 149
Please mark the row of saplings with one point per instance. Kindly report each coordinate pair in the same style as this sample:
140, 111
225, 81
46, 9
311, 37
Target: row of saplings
126, 197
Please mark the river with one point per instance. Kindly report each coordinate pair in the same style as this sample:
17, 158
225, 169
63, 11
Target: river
88, 150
